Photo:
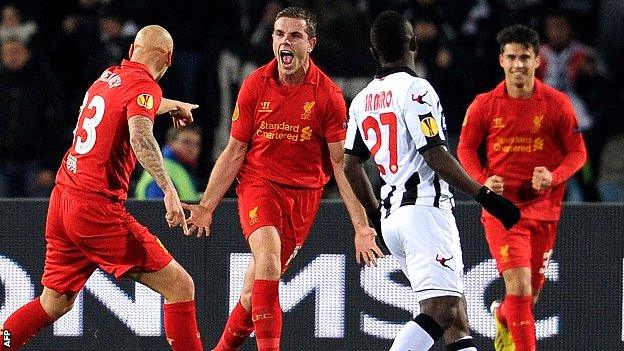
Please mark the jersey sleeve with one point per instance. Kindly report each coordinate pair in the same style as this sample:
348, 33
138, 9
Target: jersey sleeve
572, 140
472, 134
335, 118
423, 116
144, 98
243, 115
354, 144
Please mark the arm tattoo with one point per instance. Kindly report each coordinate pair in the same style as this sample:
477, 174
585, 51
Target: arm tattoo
146, 149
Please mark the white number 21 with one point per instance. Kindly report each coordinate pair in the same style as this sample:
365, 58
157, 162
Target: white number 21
89, 123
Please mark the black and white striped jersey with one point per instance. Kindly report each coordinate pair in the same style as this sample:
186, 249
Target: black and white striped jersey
395, 119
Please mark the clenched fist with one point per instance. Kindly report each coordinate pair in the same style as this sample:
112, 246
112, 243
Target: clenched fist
542, 178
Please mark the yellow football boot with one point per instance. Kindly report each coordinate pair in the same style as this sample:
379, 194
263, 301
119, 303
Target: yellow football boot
502, 339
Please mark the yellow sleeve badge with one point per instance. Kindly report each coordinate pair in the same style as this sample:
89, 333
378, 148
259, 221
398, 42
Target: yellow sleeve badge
429, 127
235, 114
145, 100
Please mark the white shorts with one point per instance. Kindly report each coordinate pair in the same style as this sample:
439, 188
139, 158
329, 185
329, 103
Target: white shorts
425, 242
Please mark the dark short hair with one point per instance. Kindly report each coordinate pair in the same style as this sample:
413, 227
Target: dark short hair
518, 34
388, 35
300, 13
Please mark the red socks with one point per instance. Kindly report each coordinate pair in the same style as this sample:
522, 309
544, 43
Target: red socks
266, 314
501, 314
25, 323
237, 329
518, 311
181, 326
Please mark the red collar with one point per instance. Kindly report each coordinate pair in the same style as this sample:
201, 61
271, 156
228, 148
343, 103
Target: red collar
538, 90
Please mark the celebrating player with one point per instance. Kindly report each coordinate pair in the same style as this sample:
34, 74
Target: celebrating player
288, 131
398, 120
533, 146
88, 225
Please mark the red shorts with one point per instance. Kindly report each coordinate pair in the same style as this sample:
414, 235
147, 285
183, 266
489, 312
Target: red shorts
85, 231
529, 243
291, 211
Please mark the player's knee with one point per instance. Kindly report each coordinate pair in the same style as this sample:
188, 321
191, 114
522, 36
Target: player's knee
447, 316
518, 281
186, 286
519, 287
56, 308
445, 310
178, 287
268, 266
245, 299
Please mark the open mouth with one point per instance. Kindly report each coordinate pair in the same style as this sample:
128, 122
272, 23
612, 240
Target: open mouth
287, 57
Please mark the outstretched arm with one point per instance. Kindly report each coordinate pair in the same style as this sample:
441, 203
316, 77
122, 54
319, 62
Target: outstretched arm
363, 189
360, 183
223, 174
447, 167
365, 245
181, 112
148, 153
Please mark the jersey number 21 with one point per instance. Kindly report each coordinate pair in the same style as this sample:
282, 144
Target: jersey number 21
387, 119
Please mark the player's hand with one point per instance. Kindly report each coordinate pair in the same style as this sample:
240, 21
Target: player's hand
182, 113
199, 219
366, 249
496, 184
499, 206
175, 212
542, 178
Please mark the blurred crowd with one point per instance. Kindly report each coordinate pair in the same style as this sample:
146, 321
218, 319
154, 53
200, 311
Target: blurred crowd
52, 50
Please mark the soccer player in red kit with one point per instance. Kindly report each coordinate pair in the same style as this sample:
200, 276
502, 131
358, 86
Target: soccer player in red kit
287, 137
88, 225
533, 146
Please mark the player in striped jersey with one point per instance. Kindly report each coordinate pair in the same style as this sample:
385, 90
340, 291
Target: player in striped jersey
398, 120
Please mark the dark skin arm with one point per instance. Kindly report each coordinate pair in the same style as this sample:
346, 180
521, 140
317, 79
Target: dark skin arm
440, 160
361, 185
447, 167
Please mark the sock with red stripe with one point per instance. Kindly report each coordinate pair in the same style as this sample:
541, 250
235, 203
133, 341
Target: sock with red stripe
520, 321
181, 326
237, 329
24, 324
266, 314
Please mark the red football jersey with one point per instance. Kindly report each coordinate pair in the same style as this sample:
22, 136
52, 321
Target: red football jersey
287, 128
101, 158
521, 134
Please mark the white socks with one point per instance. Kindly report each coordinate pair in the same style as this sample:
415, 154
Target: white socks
412, 338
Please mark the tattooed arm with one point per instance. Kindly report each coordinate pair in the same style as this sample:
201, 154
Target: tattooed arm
148, 153
147, 150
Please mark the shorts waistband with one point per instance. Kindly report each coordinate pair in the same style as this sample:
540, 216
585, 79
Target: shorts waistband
86, 195
447, 204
